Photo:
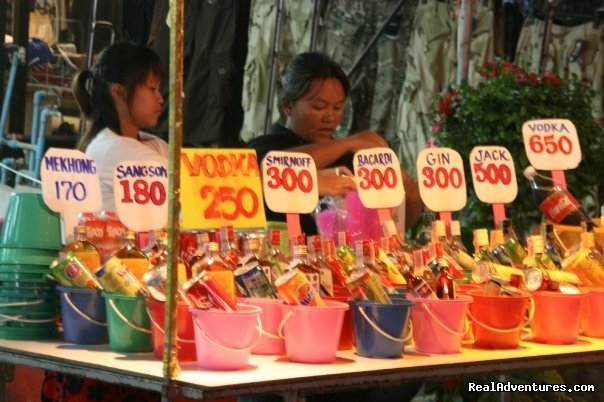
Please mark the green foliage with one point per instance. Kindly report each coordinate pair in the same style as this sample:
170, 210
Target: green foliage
493, 112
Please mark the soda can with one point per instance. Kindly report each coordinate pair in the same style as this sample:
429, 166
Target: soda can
294, 288
71, 271
155, 281
252, 282
115, 278
370, 284
494, 285
203, 291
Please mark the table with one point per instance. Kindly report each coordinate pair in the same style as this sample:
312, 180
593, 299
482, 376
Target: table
274, 374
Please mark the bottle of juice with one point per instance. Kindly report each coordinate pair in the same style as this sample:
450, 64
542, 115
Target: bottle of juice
84, 250
133, 257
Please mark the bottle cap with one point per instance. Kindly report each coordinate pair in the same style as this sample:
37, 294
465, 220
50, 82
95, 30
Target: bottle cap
275, 235
529, 172
81, 229
537, 244
129, 235
440, 228
455, 228
496, 237
481, 237
213, 246
588, 240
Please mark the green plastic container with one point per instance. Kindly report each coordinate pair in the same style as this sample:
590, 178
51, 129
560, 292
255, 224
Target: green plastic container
21, 334
46, 308
26, 256
26, 277
128, 323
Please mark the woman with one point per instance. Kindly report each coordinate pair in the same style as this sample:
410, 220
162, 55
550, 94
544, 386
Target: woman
314, 91
124, 98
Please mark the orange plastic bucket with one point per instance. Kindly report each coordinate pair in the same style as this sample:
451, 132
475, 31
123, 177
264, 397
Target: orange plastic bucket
497, 321
185, 333
557, 317
592, 323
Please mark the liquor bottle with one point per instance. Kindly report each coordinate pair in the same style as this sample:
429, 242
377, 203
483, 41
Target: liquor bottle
481, 246
397, 244
229, 249
133, 257
424, 236
84, 250
426, 272
364, 276
157, 248
445, 288
340, 274
535, 258
301, 263
279, 261
416, 284
556, 203
456, 243
95, 227
554, 248
445, 252
391, 261
515, 249
368, 249
498, 249
345, 251
215, 266
251, 254
317, 259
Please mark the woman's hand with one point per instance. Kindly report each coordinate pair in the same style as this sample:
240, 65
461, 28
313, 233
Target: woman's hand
335, 181
366, 139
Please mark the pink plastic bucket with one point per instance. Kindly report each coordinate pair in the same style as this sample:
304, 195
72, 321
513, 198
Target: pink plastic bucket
557, 317
593, 311
270, 342
312, 333
185, 333
497, 321
225, 339
347, 333
439, 325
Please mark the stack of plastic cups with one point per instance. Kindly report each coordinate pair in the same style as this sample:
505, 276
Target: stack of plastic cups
29, 242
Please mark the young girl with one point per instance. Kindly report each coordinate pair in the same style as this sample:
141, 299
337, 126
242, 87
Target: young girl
121, 96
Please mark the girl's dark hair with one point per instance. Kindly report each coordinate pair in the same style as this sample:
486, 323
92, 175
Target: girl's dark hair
303, 69
121, 63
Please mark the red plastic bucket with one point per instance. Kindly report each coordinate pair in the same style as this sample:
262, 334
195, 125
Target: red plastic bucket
498, 321
270, 342
557, 317
439, 325
347, 335
311, 333
185, 334
225, 339
592, 323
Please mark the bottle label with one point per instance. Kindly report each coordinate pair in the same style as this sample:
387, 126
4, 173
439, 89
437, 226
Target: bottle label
423, 290
558, 206
137, 266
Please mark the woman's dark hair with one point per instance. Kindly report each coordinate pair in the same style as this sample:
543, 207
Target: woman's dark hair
303, 69
121, 63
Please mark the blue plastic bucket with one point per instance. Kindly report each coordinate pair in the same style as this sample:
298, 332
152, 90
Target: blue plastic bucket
380, 329
84, 315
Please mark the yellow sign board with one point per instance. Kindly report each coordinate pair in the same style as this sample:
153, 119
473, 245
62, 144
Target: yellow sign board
220, 187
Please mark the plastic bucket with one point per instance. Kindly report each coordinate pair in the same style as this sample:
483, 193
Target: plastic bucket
347, 334
84, 315
270, 342
128, 323
379, 329
185, 334
225, 339
312, 334
497, 321
557, 317
592, 323
439, 326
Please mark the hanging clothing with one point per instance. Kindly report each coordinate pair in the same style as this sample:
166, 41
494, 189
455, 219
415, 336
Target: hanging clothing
214, 52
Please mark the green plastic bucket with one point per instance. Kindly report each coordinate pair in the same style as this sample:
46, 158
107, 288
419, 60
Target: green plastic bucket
128, 323
21, 334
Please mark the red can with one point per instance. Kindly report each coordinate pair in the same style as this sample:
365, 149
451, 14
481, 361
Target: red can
204, 292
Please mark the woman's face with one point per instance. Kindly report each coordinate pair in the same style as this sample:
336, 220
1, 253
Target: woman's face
145, 105
316, 115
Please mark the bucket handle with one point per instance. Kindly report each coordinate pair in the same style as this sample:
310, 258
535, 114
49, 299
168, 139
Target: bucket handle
284, 320
80, 313
445, 326
160, 329
230, 348
20, 304
379, 330
506, 331
27, 320
127, 321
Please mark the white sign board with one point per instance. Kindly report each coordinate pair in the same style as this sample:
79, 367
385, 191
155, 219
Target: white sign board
378, 177
441, 181
289, 182
141, 194
551, 144
493, 174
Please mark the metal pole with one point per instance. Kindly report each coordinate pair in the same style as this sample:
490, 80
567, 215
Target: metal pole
374, 39
315, 25
3, 7
91, 26
464, 37
16, 120
547, 33
273, 74
175, 113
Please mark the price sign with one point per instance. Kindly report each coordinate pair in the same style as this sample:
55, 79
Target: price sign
551, 144
220, 187
289, 180
140, 189
379, 179
70, 181
442, 186
493, 174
